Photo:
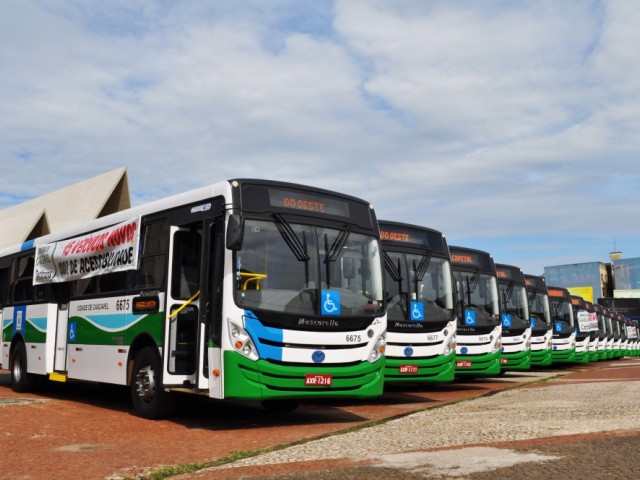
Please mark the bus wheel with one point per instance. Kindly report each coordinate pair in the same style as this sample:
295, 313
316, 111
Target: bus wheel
149, 399
21, 381
280, 406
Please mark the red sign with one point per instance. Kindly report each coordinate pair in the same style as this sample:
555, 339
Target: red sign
408, 369
463, 363
318, 380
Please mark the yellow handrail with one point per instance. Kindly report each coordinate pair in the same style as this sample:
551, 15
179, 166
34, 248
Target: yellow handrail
177, 311
251, 277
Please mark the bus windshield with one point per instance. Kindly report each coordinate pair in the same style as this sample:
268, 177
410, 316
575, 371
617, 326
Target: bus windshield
479, 292
411, 277
540, 310
290, 268
561, 311
515, 303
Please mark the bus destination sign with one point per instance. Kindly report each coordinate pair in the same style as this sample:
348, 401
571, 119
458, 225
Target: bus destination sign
312, 203
466, 258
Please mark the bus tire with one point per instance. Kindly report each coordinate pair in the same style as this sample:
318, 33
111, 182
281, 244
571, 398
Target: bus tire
149, 399
21, 381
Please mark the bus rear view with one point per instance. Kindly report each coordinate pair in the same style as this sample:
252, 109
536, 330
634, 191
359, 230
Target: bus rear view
479, 337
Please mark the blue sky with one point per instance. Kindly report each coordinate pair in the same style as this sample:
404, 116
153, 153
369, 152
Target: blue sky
511, 126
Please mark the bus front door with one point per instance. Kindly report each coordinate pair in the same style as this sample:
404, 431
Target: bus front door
183, 336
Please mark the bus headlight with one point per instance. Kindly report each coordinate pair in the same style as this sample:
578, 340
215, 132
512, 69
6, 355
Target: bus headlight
498, 345
241, 342
378, 348
450, 345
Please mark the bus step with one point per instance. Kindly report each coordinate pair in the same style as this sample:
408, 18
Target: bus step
58, 377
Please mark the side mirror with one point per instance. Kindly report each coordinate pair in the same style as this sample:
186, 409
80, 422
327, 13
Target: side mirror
235, 230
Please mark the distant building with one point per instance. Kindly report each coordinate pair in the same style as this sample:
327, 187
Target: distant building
590, 281
90, 199
615, 285
626, 273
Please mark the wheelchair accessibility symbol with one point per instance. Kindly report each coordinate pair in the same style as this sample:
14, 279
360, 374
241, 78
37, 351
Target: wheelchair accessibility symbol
469, 317
506, 320
72, 332
417, 311
330, 302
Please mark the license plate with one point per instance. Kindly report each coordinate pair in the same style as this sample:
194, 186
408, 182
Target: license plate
318, 380
408, 369
463, 363
504, 361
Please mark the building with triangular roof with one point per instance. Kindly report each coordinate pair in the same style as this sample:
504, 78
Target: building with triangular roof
69, 206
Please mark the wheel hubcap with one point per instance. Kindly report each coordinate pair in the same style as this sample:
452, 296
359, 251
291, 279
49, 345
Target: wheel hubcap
145, 384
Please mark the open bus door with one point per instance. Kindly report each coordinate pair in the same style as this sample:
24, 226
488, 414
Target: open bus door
182, 336
194, 297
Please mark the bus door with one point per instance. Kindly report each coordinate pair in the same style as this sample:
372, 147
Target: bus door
61, 312
182, 336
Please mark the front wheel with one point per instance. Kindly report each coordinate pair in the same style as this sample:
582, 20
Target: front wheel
149, 399
21, 381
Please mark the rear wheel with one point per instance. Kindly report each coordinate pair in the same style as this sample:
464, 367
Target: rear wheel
21, 381
149, 399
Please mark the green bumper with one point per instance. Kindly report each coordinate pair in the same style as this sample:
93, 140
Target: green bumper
516, 360
563, 356
438, 369
262, 380
541, 358
485, 364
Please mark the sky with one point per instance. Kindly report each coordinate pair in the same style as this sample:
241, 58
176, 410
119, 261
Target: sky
511, 126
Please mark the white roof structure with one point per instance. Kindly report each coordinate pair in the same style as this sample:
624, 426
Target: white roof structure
69, 206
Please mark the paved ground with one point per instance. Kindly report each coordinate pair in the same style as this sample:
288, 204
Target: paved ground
585, 424
582, 416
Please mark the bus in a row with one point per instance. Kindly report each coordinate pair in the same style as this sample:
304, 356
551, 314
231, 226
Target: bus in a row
245, 289
274, 292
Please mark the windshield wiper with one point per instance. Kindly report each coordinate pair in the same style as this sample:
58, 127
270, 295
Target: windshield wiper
331, 253
298, 248
420, 270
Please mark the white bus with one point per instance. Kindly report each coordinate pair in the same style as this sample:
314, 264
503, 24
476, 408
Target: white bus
245, 289
516, 321
421, 305
479, 334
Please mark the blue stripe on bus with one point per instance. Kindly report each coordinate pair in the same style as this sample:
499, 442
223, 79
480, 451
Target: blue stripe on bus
27, 245
258, 331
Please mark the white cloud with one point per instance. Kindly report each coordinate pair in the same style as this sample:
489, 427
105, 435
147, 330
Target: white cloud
477, 118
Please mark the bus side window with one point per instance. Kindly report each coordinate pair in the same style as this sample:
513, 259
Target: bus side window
23, 290
85, 286
153, 257
186, 264
113, 282
4, 286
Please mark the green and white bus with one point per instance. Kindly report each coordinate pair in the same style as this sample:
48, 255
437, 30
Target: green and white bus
420, 304
479, 334
593, 331
582, 328
564, 328
541, 327
245, 289
516, 324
